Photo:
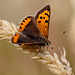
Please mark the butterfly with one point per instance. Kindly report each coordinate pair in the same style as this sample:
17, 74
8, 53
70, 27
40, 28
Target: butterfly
33, 31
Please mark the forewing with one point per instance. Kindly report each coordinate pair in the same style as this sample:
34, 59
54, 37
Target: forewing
42, 18
29, 27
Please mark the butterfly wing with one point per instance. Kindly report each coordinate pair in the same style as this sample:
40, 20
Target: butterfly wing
42, 19
20, 38
29, 26
29, 32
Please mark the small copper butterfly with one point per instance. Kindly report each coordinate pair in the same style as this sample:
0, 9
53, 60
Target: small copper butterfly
33, 31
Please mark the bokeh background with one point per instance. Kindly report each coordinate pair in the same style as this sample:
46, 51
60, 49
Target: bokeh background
14, 61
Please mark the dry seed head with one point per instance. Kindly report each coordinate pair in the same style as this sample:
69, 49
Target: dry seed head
7, 30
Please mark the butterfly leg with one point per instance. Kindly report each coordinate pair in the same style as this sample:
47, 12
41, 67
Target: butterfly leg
40, 50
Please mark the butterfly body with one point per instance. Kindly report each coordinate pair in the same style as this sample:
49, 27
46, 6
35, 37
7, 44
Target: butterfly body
33, 31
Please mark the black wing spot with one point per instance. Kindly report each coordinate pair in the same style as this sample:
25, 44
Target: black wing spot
41, 17
23, 20
21, 23
46, 26
39, 21
47, 14
20, 27
46, 21
26, 26
15, 35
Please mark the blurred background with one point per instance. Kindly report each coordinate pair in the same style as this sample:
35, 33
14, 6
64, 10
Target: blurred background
15, 62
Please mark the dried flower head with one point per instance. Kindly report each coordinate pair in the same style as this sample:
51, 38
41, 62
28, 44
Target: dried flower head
59, 67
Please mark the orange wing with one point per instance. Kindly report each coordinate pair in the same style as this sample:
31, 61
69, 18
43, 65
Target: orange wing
43, 18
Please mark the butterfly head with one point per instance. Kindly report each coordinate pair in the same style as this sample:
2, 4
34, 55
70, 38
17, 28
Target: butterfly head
47, 42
